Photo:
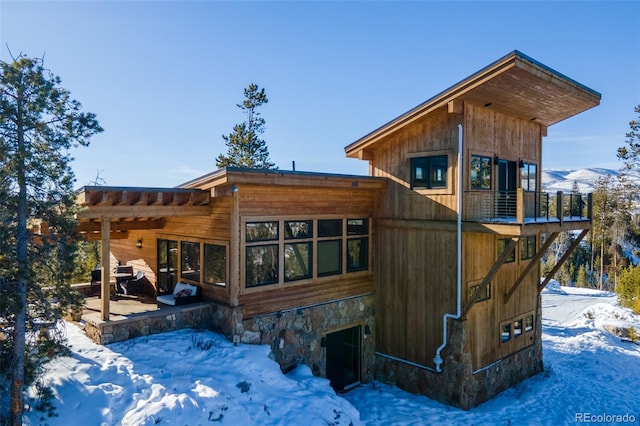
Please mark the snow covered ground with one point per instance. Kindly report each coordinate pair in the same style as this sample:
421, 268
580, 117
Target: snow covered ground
199, 378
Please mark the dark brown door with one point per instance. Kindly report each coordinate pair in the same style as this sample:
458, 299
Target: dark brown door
343, 358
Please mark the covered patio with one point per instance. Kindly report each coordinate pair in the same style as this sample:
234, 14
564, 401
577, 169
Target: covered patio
108, 213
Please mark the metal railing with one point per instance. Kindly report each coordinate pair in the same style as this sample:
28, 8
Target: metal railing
522, 206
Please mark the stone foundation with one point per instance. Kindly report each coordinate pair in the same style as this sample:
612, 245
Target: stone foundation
197, 316
296, 336
457, 384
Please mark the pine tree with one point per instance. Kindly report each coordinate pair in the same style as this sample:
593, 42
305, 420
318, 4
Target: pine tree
39, 123
245, 148
630, 154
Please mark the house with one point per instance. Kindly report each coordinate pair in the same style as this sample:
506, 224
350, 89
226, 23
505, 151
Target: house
424, 274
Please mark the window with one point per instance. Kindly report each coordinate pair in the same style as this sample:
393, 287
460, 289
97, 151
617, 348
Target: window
358, 248
485, 295
215, 264
517, 328
527, 247
329, 247
297, 255
502, 244
429, 172
528, 177
190, 261
505, 332
480, 172
262, 231
261, 265
528, 323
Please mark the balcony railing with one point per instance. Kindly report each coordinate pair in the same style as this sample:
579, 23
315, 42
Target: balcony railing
525, 207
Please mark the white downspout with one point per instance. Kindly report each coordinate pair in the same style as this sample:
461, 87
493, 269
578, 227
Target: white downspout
437, 359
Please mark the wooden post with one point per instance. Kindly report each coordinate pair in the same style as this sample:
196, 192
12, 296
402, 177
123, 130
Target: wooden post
520, 206
105, 262
234, 248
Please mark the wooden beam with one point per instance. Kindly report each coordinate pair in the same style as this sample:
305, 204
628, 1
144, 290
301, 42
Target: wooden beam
534, 261
455, 107
563, 259
105, 262
492, 272
129, 225
97, 236
121, 212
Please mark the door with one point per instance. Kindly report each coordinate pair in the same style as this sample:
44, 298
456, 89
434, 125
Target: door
167, 265
507, 187
343, 358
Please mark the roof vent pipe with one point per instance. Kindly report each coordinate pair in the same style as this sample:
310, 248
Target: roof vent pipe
437, 359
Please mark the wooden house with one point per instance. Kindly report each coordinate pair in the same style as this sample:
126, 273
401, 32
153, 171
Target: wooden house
424, 274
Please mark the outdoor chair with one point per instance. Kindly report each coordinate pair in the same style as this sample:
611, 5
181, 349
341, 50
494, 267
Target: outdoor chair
134, 285
96, 279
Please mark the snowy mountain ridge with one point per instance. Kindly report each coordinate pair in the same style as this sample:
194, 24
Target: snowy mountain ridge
563, 180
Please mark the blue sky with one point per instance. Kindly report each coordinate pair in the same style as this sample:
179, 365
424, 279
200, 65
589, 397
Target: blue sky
164, 77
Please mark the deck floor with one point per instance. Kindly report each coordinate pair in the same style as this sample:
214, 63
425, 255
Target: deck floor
120, 307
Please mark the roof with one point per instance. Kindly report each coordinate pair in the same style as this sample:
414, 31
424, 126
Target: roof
516, 85
242, 175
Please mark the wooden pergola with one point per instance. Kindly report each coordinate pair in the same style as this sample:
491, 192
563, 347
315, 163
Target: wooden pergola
108, 213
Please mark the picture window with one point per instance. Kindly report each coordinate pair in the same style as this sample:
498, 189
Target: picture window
480, 172
429, 172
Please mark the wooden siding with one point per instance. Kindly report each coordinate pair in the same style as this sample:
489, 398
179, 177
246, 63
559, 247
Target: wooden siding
433, 135
489, 133
215, 227
293, 296
485, 317
415, 287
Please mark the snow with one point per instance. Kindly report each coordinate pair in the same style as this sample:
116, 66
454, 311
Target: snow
197, 378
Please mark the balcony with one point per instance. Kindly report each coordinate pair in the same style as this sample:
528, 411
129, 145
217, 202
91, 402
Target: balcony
557, 211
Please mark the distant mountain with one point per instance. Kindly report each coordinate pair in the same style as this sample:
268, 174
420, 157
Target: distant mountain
562, 180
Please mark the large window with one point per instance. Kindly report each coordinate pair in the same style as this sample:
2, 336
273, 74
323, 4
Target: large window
480, 172
528, 176
190, 261
429, 172
304, 249
215, 264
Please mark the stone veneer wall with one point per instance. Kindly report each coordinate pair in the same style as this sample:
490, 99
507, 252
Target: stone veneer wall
198, 316
295, 336
457, 384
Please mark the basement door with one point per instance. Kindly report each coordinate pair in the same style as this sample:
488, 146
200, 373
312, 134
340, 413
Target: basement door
167, 265
343, 358
507, 187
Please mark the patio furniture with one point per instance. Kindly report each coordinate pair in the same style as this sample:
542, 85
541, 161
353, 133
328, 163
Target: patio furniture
122, 274
96, 280
182, 294
133, 285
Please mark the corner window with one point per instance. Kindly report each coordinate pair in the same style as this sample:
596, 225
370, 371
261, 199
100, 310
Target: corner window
215, 264
528, 177
429, 172
190, 261
502, 244
527, 247
480, 172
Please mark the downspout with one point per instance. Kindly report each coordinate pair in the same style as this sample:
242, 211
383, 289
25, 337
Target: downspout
437, 359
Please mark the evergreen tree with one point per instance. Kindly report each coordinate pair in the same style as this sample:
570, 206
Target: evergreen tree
39, 123
245, 148
630, 154
628, 288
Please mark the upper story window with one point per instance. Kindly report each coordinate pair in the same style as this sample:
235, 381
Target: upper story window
528, 176
480, 172
429, 172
